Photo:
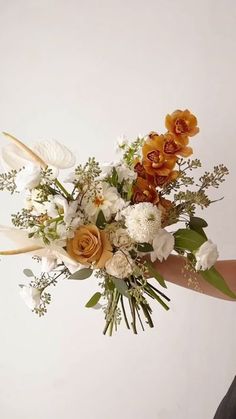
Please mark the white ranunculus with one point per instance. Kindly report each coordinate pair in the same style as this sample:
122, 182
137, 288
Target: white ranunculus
31, 296
120, 238
206, 256
143, 221
163, 245
28, 177
120, 265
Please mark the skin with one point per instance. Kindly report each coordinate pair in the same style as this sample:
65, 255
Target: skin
172, 271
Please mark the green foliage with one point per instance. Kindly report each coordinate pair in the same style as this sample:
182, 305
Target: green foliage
214, 278
28, 273
7, 181
187, 239
145, 247
198, 224
82, 274
94, 300
101, 220
121, 286
132, 151
154, 274
86, 174
214, 178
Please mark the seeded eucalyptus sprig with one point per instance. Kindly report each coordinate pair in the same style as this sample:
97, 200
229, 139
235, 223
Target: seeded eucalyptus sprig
7, 181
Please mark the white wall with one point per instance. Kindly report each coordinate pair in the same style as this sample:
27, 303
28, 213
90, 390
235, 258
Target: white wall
85, 72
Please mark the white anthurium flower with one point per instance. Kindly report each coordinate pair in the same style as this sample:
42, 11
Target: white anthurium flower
28, 177
53, 253
56, 254
51, 152
206, 256
163, 245
31, 296
55, 154
20, 238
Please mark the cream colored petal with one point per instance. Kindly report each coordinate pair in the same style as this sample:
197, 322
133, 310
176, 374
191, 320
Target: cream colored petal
28, 152
55, 154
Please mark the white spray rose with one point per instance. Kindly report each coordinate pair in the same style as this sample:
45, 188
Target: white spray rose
206, 256
121, 239
120, 265
31, 296
163, 245
28, 178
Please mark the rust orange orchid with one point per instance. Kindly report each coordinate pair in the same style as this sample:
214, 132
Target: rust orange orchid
177, 145
155, 161
182, 123
144, 191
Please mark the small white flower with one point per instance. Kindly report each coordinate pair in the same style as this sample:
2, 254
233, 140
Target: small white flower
206, 256
28, 177
163, 245
108, 200
143, 221
48, 263
120, 265
125, 173
31, 296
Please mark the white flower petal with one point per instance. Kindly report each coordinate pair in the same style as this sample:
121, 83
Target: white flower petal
55, 154
30, 295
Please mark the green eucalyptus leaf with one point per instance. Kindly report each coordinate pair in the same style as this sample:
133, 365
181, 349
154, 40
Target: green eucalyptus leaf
28, 272
154, 274
214, 278
187, 239
94, 300
145, 247
82, 274
121, 286
101, 220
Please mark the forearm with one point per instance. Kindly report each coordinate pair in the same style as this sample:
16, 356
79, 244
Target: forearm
173, 270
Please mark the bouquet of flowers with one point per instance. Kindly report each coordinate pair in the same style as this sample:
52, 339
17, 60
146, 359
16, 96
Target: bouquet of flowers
112, 221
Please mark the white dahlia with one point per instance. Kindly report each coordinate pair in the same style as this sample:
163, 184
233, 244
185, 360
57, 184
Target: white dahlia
143, 221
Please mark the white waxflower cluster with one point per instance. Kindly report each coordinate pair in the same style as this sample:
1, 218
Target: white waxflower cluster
143, 221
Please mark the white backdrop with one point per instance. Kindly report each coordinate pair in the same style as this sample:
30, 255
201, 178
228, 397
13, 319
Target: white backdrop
85, 72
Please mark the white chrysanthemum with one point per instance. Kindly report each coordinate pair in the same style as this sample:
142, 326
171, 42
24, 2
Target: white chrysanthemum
107, 200
143, 221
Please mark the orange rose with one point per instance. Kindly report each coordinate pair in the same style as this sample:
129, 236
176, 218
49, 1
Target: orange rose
155, 161
90, 245
182, 123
